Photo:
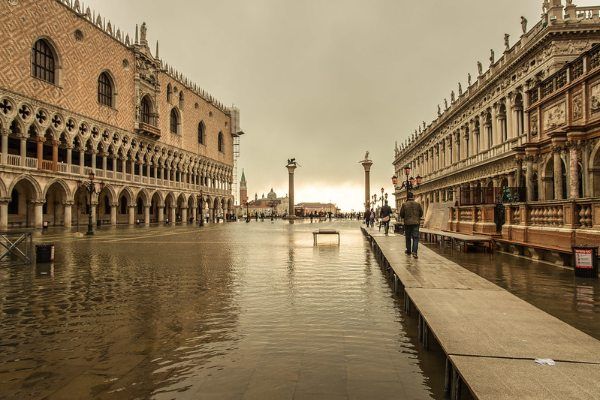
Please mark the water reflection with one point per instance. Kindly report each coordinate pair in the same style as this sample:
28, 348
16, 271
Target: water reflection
551, 288
230, 311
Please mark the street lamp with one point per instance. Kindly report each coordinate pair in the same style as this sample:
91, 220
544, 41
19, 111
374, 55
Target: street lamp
90, 187
410, 183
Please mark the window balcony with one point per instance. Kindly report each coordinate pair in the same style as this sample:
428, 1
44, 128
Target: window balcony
149, 130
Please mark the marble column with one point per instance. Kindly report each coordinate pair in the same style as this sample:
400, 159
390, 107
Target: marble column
574, 159
23, 151
40, 151
558, 177
113, 213
4, 214
529, 183
367, 166
161, 213
5, 146
184, 215
147, 215
68, 214
38, 212
291, 169
131, 215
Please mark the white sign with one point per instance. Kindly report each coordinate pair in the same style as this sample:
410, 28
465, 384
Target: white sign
584, 259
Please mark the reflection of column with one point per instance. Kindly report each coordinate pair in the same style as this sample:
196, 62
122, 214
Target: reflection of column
68, 217
113, 213
4, 214
529, 183
558, 176
291, 169
131, 215
367, 166
574, 158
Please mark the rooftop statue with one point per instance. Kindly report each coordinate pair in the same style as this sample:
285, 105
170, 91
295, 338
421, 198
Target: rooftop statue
460, 92
524, 25
469, 78
492, 57
507, 41
480, 67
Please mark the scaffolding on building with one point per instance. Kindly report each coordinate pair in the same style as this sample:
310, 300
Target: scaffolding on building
236, 132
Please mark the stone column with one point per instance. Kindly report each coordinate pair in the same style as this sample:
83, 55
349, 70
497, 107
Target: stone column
4, 214
184, 215
81, 162
367, 166
558, 178
40, 151
55, 155
115, 166
69, 158
38, 214
104, 162
195, 214
529, 183
161, 213
147, 215
93, 154
131, 215
113, 213
173, 216
68, 214
23, 151
5, 146
574, 159
291, 169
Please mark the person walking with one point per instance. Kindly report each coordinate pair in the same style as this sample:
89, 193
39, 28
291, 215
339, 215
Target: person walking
386, 215
411, 212
372, 218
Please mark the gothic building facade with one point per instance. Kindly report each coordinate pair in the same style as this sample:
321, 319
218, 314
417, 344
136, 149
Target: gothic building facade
78, 96
525, 133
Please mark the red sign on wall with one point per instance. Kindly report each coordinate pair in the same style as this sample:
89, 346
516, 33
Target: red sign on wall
584, 258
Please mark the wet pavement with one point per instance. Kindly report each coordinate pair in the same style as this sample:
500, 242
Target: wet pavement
235, 311
551, 288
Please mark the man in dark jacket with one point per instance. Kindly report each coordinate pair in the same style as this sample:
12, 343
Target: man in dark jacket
386, 214
411, 212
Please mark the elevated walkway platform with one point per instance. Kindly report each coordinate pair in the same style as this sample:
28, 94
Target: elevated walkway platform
491, 338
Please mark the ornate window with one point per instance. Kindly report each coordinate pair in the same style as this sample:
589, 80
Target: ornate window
221, 143
43, 61
174, 122
146, 111
201, 132
105, 90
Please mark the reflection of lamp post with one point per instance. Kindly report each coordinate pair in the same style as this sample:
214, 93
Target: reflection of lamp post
90, 187
201, 210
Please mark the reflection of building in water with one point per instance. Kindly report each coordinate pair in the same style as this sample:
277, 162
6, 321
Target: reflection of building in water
321, 209
269, 205
523, 133
78, 96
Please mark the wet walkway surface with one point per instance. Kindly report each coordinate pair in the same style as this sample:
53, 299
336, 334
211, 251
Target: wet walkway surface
550, 288
232, 311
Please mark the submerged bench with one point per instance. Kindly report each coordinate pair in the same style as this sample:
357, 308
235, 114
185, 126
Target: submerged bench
325, 232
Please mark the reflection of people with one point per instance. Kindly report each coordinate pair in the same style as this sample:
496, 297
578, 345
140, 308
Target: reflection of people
411, 212
386, 214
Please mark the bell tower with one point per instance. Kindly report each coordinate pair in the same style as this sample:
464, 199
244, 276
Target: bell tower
243, 189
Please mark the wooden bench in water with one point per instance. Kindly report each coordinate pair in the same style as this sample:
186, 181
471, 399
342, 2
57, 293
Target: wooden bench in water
465, 241
325, 232
491, 338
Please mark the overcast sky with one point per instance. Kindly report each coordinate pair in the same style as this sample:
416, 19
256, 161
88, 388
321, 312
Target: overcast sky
326, 80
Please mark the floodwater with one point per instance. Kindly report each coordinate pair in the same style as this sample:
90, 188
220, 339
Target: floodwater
234, 311
551, 288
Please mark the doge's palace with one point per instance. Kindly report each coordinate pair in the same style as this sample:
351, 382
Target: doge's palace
80, 96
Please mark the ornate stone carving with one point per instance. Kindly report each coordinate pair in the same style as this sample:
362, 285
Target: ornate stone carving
595, 99
533, 124
555, 116
577, 106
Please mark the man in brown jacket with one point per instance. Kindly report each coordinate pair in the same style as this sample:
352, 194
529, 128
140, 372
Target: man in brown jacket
411, 212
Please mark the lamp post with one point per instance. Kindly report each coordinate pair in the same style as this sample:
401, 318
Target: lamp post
410, 183
90, 187
247, 212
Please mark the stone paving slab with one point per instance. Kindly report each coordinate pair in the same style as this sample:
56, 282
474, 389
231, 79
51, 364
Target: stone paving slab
499, 324
491, 336
440, 273
499, 379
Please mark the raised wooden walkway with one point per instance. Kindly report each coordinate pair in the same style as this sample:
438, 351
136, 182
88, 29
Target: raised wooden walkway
491, 338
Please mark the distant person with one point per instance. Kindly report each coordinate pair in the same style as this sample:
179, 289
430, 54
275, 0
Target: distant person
411, 212
372, 218
386, 215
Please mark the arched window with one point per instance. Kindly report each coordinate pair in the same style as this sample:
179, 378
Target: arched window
105, 90
174, 121
201, 132
146, 111
169, 92
221, 143
43, 61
